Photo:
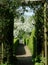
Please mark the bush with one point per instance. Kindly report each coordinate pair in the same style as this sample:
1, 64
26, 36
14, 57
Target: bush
39, 63
30, 41
3, 64
15, 45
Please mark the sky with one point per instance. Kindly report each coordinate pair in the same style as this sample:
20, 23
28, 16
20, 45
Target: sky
29, 13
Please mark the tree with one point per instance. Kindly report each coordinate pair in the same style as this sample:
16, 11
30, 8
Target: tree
45, 35
8, 12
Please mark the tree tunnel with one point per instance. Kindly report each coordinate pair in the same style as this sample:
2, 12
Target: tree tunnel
7, 15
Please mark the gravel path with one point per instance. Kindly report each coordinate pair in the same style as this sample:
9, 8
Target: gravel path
23, 55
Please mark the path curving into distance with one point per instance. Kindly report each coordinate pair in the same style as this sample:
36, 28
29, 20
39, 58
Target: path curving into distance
23, 55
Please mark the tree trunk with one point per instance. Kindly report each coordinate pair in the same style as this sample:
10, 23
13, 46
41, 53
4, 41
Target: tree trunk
45, 36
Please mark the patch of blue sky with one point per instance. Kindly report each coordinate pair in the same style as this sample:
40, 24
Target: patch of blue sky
28, 8
29, 11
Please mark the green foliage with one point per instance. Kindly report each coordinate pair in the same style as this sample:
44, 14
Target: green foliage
7, 13
30, 41
39, 60
39, 36
14, 40
39, 63
15, 45
3, 64
22, 19
7, 19
21, 34
39, 29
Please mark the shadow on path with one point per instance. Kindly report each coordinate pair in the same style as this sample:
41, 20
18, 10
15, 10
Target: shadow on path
20, 49
23, 55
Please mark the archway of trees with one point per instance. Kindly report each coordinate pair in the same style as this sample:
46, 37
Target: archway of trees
7, 15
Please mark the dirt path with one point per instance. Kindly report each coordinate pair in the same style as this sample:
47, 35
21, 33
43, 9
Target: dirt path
23, 55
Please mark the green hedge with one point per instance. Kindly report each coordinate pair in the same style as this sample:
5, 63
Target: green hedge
15, 45
30, 41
